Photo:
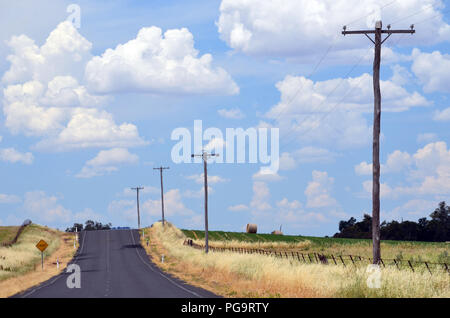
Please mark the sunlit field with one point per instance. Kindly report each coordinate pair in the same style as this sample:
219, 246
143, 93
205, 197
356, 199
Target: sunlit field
24, 256
252, 275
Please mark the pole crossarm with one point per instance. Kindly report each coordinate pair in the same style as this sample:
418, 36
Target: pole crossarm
374, 31
161, 168
204, 155
388, 32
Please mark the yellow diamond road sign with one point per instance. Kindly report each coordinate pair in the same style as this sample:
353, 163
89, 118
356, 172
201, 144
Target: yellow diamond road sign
42, 245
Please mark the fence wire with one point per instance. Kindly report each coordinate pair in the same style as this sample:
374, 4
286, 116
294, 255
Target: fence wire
331, 259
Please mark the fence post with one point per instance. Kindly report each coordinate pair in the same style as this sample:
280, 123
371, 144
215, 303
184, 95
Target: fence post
428, 268
315, 257
309, 258
446, 268
352, 259
332, 256
396, 264
342, 260
410, 265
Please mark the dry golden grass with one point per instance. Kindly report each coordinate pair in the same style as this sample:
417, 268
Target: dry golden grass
23, 259
7, 233
285, 246
242, 275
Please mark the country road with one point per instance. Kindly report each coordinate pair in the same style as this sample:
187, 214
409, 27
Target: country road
113, 264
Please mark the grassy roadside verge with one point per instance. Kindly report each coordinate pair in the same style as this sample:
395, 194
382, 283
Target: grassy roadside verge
20, 266
242, 275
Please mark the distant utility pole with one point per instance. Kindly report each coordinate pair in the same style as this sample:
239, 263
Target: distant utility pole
376, 128
137, 200
205, 157
162, 190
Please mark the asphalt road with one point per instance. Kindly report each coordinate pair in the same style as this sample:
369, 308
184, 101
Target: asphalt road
114, 264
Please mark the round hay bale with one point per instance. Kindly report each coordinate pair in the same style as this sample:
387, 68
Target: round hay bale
252, 228
277, 232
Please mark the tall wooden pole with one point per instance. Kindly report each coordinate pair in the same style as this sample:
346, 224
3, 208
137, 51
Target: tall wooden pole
376, 147
205, 157
205, 173
137, 202
162, 198
139, 215
162, 190
376, 128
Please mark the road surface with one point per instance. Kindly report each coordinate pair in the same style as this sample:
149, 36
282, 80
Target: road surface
114, 264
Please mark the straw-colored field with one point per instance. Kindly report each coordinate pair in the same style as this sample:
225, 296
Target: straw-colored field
20, 264
242, 275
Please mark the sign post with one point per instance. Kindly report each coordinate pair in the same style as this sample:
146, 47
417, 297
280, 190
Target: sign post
42, 245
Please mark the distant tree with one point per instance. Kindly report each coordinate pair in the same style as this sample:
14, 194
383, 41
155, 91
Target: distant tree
89, 225
77, 226
346, 224
437, 229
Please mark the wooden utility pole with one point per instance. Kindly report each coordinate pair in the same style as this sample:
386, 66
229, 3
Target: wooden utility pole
162, 190
137, 200
205, 157
376, 128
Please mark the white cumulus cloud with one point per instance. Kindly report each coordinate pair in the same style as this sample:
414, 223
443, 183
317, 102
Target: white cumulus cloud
44, 95
331, 112
318, 190
107, 161
305, 27
13, 156
158, 63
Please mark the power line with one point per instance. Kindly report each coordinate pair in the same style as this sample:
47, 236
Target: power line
400, 38
414, 14
335, 129
432, 17
329, 94
381, 8
330, 47
339, 130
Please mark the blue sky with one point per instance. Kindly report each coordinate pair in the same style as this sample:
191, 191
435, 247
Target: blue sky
89, 111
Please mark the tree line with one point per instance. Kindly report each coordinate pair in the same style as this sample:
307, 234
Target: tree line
437, 229
89, 225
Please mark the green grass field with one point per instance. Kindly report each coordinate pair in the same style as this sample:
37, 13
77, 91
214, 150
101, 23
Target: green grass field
400, 250
317, 241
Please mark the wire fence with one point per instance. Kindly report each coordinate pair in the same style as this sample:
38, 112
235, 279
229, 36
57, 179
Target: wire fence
330, 259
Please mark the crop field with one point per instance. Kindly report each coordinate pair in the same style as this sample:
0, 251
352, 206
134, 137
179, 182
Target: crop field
401, 250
